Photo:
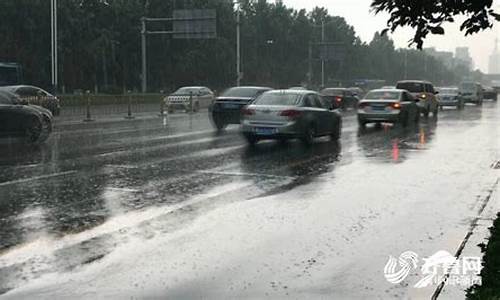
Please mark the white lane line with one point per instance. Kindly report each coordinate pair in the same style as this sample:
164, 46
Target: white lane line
37, 178
246, 174
126, 190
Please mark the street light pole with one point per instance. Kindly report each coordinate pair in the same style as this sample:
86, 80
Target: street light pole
144, 61
322, 57
238, 58
53, 46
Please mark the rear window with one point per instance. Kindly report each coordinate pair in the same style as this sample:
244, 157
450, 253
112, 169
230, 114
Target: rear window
187, 91
383, 95
332, 92
412, 87
242, 92
285, 99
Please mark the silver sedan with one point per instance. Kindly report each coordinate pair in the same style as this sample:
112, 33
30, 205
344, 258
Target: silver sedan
287, 114
392, 106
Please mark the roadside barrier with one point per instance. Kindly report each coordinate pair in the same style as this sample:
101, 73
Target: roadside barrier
129, 106
88, 116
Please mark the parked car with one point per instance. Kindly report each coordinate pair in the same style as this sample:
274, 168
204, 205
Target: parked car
189, 99
424, 92
449, 96
490, 93
288, 114
388, 105
36, 96
471, 92
227, 107
340, 97
18, 120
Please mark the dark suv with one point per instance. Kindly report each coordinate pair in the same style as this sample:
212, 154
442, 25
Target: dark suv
34, 123
341, 97
424, 92
227, 107
37, 96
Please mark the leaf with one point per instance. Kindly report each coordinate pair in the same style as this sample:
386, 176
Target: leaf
437, 30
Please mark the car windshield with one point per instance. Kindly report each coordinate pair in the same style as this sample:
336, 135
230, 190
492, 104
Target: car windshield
412, 87
285, 99
383, 95
186, 91
447, 91
468, 86
241, 92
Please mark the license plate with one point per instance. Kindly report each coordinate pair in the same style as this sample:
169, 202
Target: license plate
231, 106
378, 107
264, 131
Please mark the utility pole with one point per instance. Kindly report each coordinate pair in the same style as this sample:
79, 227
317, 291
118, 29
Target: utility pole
144, 61
309, 73
406, 63
53, 46
322, 57
238, 58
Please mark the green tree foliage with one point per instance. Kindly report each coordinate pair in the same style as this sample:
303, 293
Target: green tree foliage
99, 46
428, 16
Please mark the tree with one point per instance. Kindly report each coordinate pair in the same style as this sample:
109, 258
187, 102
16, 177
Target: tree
428, 16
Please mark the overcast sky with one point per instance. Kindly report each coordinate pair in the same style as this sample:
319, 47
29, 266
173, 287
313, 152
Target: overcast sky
357, 13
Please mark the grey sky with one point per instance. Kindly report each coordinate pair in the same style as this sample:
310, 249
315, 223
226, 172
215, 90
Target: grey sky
357, 13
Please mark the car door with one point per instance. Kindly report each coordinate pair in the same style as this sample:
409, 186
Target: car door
28, 94
9, 117
321, 114
409, 104
431, 95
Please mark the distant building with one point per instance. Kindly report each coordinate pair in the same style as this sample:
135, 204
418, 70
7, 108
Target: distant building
494, 63
462, 56
445, 57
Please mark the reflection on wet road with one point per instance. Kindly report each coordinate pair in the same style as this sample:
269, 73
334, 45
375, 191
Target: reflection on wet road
91, 191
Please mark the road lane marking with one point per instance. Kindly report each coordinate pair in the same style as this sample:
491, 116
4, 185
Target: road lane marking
246, 174
470, 232
37, 178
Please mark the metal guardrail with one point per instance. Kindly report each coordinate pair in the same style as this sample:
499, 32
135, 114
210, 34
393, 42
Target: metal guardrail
91, 106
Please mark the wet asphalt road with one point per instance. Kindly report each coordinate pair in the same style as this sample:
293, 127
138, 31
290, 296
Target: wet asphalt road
169, 208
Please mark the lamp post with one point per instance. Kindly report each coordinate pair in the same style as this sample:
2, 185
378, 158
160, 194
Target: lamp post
53, 46
238, 49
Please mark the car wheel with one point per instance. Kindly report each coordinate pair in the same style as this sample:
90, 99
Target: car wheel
34, 131
308, 137
404, 118
361, 123
251, 139
219, 123
337, 132
417, 117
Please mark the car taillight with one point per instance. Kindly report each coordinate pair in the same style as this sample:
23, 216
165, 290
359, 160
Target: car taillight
248, 111
396, 105
291, 113
338, 99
